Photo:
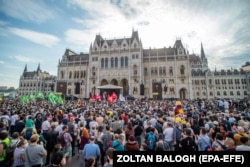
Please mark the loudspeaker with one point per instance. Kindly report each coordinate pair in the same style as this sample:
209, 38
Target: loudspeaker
142, 90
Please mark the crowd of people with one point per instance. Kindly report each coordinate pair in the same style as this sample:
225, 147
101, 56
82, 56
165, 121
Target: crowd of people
40, 134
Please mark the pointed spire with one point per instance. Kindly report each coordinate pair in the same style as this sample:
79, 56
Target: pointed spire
202, 52
38, 68
25, 69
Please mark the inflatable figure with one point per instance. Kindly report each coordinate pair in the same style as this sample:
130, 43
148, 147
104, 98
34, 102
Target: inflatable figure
179, 113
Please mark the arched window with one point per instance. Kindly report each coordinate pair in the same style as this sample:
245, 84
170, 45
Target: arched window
106, 62
145, 71
160, 70
126, 61
171, 71
81, 74
62, 74
112, 62
74, 74
84, 74
116, 62
152, 70
164, 71
77, 74
182, 70
102, 63
70, 74
122, 61
156, 71
135, 70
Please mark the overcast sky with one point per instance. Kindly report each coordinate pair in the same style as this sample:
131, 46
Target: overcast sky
33, 32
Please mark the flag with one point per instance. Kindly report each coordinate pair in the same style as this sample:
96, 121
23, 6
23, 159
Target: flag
40, 95
24, 99
31, 97
52, 98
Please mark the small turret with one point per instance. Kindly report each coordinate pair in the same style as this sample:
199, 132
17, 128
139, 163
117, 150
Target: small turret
25, 69
38, 68
202, 53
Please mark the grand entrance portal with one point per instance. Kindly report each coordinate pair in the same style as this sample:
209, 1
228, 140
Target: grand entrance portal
183, 93
157, 90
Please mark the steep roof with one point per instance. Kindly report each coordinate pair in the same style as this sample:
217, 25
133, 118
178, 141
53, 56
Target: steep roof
202, 52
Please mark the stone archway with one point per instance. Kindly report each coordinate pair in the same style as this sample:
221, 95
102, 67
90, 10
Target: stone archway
125, 86
104, 82
183, 93
114, 82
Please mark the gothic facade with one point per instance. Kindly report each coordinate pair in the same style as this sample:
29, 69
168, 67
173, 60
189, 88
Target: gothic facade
33, 81
162, 73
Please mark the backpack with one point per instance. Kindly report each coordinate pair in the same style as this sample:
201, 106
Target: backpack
61, 139
108, 139
8, 151
191, 146
208, 147
158, 126
161, 146
223, 146
28, 133
151, 140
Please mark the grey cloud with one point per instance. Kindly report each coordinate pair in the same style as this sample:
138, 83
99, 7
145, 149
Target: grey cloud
126, 9
143, 23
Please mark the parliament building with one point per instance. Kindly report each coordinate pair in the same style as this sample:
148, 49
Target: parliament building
160, 73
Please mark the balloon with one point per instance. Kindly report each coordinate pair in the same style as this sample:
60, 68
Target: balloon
110, 100
93, 97
98, 97
114, 96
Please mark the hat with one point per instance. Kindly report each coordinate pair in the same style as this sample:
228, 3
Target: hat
131, 138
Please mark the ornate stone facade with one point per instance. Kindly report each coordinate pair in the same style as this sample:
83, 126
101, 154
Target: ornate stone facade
162, 73
33, 81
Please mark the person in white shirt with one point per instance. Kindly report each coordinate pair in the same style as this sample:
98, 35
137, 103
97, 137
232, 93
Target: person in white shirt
93, 127
244, 146
13, 120
59, 128
45, 126
169, 136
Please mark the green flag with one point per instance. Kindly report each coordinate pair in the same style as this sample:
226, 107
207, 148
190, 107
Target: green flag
24, 99
40, 95
31, 97
52, 98
59, 99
